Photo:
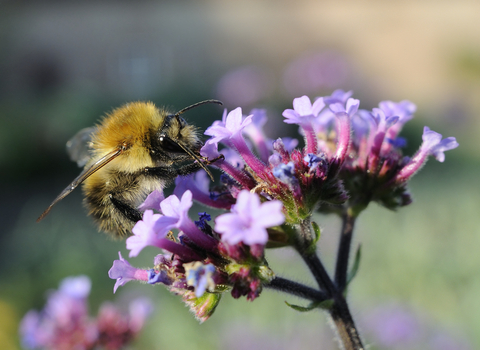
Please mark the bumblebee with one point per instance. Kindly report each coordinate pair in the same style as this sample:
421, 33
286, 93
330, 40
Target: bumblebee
136, 149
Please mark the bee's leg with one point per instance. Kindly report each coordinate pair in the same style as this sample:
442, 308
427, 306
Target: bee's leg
170, 172
130, 213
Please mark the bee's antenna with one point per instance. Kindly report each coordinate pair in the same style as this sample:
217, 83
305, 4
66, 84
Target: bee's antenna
188, 151
176, 115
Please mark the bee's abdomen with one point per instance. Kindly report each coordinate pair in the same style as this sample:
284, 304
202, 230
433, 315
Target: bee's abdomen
126, 188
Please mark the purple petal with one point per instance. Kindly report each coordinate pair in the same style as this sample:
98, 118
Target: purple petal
352, 106
210, 150
152, 201
434, 145
302, 106
121, 271
318, 105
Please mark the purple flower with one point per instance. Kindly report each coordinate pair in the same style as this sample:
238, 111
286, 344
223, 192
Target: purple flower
432, 145
175, 212
249, 220
231, 133
210, 149
435, 146
123, 272
153, 228
145, 233
176, 216
303, 111
234, 124
303, 114
403, 110
64, 322
69, 302
350, 108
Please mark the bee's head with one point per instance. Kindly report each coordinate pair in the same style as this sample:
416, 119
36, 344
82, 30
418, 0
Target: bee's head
176, 139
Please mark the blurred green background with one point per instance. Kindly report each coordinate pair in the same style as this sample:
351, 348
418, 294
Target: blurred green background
64, 64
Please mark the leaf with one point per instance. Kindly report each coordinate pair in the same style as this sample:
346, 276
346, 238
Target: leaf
356, 265
325, 304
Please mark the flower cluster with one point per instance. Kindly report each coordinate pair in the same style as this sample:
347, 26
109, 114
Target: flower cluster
64, 323
268, 191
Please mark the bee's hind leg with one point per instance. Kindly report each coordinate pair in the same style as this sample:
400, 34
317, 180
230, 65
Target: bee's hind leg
130, 213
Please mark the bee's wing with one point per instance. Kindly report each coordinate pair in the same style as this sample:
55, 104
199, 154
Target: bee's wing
79, 146
83, 175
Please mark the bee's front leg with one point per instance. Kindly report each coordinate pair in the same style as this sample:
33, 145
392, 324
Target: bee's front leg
170, 173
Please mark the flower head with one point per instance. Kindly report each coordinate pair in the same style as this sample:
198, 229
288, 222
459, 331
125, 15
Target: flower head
64, 323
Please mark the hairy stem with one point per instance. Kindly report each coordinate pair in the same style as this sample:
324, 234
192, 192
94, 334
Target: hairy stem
340, 313
294, 288
343, 254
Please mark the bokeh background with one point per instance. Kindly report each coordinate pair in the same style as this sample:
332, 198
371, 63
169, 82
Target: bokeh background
65, 63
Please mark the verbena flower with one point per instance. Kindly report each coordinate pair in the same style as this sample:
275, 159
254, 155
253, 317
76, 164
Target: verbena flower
376, 170
64, 323
249, 219
123, 272
268, 192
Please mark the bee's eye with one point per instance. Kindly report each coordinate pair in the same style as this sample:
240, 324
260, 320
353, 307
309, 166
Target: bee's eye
169, 145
